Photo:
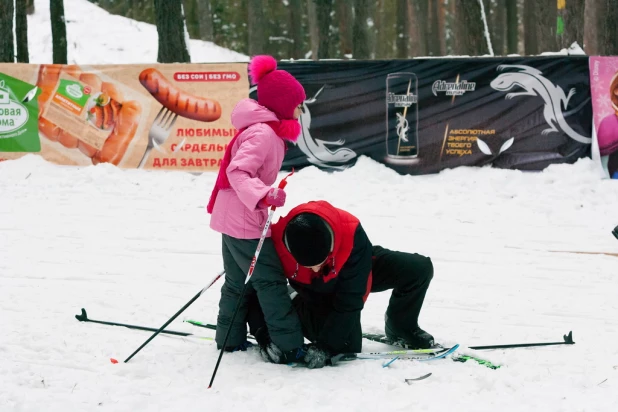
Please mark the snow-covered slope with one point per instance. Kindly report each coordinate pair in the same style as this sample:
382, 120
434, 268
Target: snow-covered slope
96, 37
134, 246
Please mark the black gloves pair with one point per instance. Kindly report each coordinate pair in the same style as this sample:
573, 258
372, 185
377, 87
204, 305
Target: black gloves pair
311, 355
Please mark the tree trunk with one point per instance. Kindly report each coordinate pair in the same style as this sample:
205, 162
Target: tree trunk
593, 24
433, 29
610, 35
416, 45
170, 29
360, 35
313, 28
421, 7
191, 18
21, 31
296, 29
498, 27
442, 26
469, 29
378, 45
204, 19
29, 7
59, 31
512, 28
323, 9
546, 16
531, 44
256, 23
573, 23
346, 21
402, 29
7, 46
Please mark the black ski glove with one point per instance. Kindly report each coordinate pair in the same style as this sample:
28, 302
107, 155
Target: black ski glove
316, 357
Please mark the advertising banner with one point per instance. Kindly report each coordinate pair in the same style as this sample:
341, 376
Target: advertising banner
425, 115
604, 89
160, 116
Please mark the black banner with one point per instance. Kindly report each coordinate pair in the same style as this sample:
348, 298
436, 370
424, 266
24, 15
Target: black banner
422, 116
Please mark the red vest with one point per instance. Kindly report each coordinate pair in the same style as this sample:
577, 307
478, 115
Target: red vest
343, 225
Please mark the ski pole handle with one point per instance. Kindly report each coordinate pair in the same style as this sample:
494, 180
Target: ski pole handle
282, 184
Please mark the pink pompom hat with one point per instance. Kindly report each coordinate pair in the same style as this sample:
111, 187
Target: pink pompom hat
277, 90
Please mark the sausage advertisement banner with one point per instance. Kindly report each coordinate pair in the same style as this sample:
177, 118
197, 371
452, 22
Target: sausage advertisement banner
416, 116
161, 116
425, 115
604, 89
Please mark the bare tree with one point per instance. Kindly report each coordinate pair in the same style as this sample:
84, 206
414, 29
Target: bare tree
531, 44
257, 37
312, 16
546, 15
360, 36
469, 29
323, 9
498, 27
402, 29
204, 11
610, 35
345, 17
7, 47
21, 31
170, 29
512, 26
59, 31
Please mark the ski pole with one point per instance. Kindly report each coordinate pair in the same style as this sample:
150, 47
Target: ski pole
282, 185
568, 340
83, 317
176, 315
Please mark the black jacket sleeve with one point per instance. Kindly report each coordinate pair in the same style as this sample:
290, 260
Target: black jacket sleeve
348, 300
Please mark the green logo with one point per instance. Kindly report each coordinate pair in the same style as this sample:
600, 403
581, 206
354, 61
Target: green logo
19, 107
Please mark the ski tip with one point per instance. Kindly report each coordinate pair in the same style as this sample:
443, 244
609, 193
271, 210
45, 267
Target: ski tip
113, 360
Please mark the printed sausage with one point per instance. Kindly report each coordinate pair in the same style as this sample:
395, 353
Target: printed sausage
48, 129
110, 90
177, 101
48, 76
86, 149
72, 70
67, 139
117, 143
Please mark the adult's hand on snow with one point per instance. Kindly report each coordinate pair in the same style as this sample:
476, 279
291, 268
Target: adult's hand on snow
316, 358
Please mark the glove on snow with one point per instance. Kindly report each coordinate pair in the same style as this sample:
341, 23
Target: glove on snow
316, 357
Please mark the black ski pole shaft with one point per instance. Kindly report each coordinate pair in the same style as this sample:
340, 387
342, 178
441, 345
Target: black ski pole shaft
568, 340
282, 185
83, 317
170, 320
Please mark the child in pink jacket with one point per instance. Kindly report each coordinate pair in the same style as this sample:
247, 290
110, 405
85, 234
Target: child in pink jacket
239, 206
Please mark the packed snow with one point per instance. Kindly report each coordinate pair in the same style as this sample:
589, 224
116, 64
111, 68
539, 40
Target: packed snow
133, 246
95, 36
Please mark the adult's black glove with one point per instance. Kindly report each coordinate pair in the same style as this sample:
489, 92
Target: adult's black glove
316, 357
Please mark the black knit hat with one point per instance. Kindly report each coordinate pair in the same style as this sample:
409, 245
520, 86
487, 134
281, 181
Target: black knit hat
308, 238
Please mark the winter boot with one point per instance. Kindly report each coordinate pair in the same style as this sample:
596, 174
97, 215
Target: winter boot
415, 338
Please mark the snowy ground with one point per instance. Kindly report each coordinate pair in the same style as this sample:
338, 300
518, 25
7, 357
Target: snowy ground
96, 37
134, 246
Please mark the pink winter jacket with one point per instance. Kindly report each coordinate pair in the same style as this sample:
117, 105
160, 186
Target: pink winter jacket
256, 158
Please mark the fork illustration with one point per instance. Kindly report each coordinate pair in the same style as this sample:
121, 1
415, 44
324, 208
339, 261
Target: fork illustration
159, 132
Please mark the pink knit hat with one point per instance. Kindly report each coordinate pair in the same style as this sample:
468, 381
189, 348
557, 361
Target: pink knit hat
277, 90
